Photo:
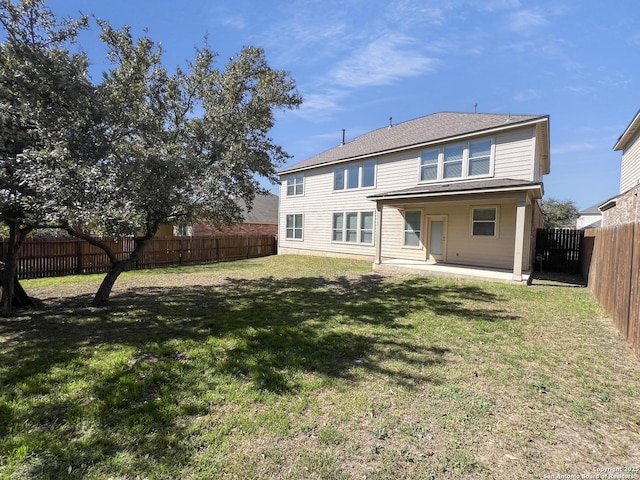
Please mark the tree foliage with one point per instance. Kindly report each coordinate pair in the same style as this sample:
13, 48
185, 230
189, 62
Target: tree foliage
46, 113
143, 147
559, 213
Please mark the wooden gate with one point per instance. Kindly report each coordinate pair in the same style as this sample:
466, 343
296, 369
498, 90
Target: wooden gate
559, 250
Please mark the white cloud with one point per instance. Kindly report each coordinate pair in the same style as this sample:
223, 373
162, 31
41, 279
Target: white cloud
225, 18
524, 21
528, 94
320, 106
574, 147
382, 62
579, 89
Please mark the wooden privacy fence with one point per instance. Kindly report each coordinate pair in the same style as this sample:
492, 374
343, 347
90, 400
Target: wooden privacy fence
50, 257
559, 250
613, 272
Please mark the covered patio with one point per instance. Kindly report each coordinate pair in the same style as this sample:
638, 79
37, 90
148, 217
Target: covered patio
449, 271
446, 245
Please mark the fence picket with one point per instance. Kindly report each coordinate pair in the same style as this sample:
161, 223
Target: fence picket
613, 274
49, 257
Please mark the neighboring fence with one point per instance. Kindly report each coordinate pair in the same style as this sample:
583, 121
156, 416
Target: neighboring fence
613, 272
50, 257
559, 250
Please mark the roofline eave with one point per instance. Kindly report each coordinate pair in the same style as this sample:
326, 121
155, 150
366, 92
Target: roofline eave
408, 196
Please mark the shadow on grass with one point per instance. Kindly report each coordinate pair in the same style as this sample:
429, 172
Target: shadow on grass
162, 352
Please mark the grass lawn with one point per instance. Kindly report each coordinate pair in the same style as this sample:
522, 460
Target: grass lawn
313, 368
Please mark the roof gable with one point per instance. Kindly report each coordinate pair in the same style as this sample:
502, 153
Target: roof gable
629, 133
414, 133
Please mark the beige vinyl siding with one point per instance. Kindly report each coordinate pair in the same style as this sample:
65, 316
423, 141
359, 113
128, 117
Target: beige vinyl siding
462, 248
515, 154
399, 171
318, 204
630, 172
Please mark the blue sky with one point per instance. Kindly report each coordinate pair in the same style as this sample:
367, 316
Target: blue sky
359, 62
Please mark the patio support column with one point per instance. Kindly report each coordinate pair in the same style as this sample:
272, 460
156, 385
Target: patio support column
378, 235
519, 245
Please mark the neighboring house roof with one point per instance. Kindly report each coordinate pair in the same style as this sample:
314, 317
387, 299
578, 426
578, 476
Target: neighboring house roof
457, 188
422, 131
264, 210
592, 210
629, 134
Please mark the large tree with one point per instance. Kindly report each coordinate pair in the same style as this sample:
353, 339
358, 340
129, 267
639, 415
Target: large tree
559, 213
46, 118
181, 146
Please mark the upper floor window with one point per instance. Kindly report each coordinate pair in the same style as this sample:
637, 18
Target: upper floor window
295, 184
354, 175
461, 160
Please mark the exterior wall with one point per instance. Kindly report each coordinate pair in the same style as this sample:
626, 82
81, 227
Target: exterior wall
630, 172
461, 247
587, 220
515, 153
626, 210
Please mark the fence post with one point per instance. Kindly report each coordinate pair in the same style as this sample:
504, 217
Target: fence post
79, 262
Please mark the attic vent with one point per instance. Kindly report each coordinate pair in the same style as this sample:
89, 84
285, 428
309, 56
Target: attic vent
390, 122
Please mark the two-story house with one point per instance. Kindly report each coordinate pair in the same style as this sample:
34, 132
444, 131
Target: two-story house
625, 207
445, 189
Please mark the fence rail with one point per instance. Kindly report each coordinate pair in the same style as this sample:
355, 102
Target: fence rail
50, 257
613, 272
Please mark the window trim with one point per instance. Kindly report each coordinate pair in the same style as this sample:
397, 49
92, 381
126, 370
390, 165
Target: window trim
344, 169
294, 181
359, 230
420, 245
294, 228
496, 221
440, 164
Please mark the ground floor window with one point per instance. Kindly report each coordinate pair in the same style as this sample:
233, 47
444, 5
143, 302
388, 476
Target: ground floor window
484, 221
352, 227
412, 228
294, 226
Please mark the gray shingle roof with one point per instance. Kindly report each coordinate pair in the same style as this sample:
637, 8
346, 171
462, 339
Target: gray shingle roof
494, 184
264, 210
413, 133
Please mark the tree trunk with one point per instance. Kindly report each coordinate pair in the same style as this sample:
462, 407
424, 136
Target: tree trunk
104, 292
117, 266
9, 272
